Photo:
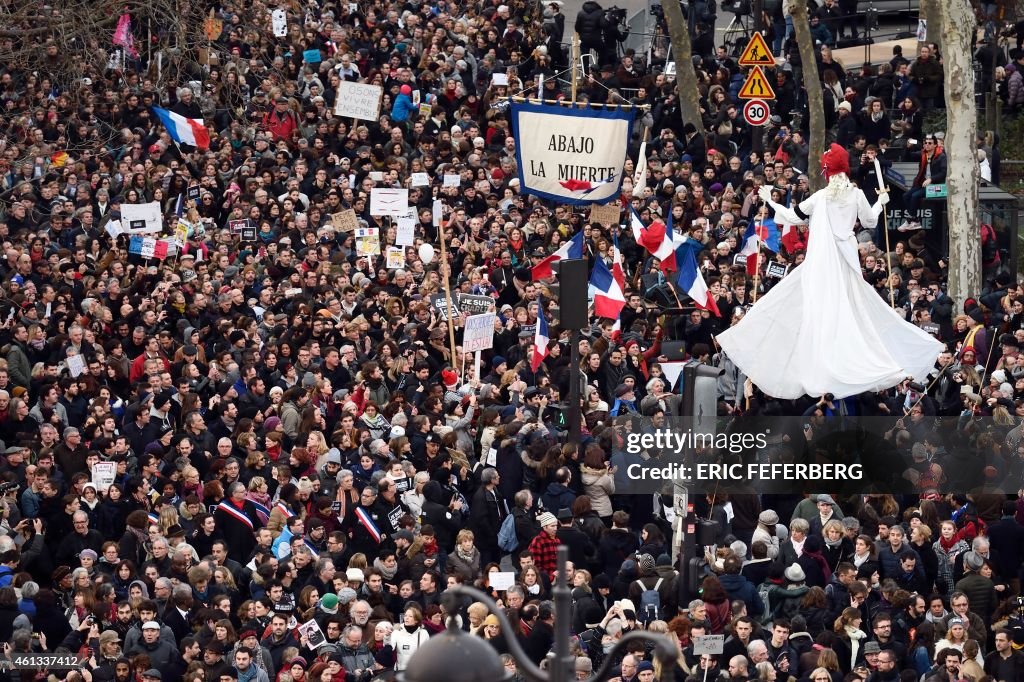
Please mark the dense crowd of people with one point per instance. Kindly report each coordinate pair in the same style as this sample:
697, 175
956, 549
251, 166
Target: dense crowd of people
264, 458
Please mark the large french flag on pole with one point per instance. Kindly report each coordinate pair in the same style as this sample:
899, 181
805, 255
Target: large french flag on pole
609, 299
571, 249
659, 239
691, 281
184, 130
540, 339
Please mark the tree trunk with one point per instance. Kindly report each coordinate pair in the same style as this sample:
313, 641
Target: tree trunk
812, 85
931, 12
962, 212
682, 52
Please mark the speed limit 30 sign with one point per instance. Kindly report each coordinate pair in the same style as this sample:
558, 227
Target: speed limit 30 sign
756, 112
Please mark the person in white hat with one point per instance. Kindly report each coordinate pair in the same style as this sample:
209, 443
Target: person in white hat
544, 547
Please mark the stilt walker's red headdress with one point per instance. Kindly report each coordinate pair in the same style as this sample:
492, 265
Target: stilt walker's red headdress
835, 160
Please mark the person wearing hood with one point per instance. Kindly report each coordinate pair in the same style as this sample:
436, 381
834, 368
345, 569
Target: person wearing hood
403, 107
445, 517
590, 25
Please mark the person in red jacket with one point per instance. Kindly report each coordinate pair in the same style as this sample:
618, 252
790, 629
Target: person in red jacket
280, 121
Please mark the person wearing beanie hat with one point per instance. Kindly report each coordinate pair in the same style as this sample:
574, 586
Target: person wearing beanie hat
650, 580
544, 547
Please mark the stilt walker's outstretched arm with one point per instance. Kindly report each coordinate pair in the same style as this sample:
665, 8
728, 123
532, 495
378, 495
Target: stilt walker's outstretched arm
782, 213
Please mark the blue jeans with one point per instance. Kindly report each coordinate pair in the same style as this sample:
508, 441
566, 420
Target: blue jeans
912, 202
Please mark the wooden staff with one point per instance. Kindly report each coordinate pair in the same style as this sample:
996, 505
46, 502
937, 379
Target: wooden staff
757, 255
885, 228
445, 276
575, 58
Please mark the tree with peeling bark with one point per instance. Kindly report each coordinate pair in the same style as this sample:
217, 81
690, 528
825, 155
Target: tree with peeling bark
960, 144
812, 85
682, 51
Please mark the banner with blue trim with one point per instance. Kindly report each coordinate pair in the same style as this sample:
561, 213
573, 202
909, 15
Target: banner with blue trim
571, 155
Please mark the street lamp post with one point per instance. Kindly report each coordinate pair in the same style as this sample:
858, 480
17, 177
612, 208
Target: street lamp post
457, 656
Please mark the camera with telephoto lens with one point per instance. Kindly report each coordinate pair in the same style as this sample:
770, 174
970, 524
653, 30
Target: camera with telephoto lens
8, 487
615, 15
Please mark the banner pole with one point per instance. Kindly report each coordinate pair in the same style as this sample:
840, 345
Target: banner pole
575, 59
445, 277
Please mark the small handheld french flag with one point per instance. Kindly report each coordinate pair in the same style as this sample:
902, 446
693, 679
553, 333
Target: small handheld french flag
540, 338
184, 130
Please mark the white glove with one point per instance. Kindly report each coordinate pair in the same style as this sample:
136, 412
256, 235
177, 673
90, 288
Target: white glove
765, 193
883, 198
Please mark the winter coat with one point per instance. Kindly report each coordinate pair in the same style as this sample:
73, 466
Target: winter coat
590, 23
616, 546
599, 485
927, 75
407, 643
740, 588
557, 496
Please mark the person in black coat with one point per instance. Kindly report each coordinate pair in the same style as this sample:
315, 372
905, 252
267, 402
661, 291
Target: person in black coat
617, 545
581, 550
237, 519
132, 544
1008, 536
487, 510
446, 520
179, 624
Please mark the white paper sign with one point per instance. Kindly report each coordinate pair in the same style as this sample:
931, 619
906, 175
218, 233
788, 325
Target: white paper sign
922, 30
279, 18
114, 228
396, 258
76, 365
499, 79
314, 635
502, 580
452, 180
389, 201
420, 180
438, 210
103, 474
358, 100
479, 333
367, 241
405, 234
141, 218
377, 176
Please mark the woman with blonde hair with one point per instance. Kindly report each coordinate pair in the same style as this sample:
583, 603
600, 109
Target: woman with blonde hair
477, 612
465, 560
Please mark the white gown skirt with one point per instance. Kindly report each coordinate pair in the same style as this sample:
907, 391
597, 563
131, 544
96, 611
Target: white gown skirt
824, 329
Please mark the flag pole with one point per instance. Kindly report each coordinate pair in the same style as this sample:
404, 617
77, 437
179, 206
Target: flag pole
445, 277
757, 254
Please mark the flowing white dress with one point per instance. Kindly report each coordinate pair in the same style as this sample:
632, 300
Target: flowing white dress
823, 328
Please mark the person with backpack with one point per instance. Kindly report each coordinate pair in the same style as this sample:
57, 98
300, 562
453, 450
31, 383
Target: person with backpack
651, 593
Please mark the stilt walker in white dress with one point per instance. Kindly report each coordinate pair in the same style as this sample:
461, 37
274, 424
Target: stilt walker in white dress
823, 328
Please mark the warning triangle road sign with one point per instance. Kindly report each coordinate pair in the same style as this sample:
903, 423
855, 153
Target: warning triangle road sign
756, 86
757, 53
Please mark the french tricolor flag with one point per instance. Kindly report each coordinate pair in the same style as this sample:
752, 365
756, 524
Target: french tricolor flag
759, 233
571, 249
184, 130
691, 281
609, 299
540, 338
660, 240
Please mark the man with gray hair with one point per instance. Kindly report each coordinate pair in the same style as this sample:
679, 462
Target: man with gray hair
487, 511
82, 538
